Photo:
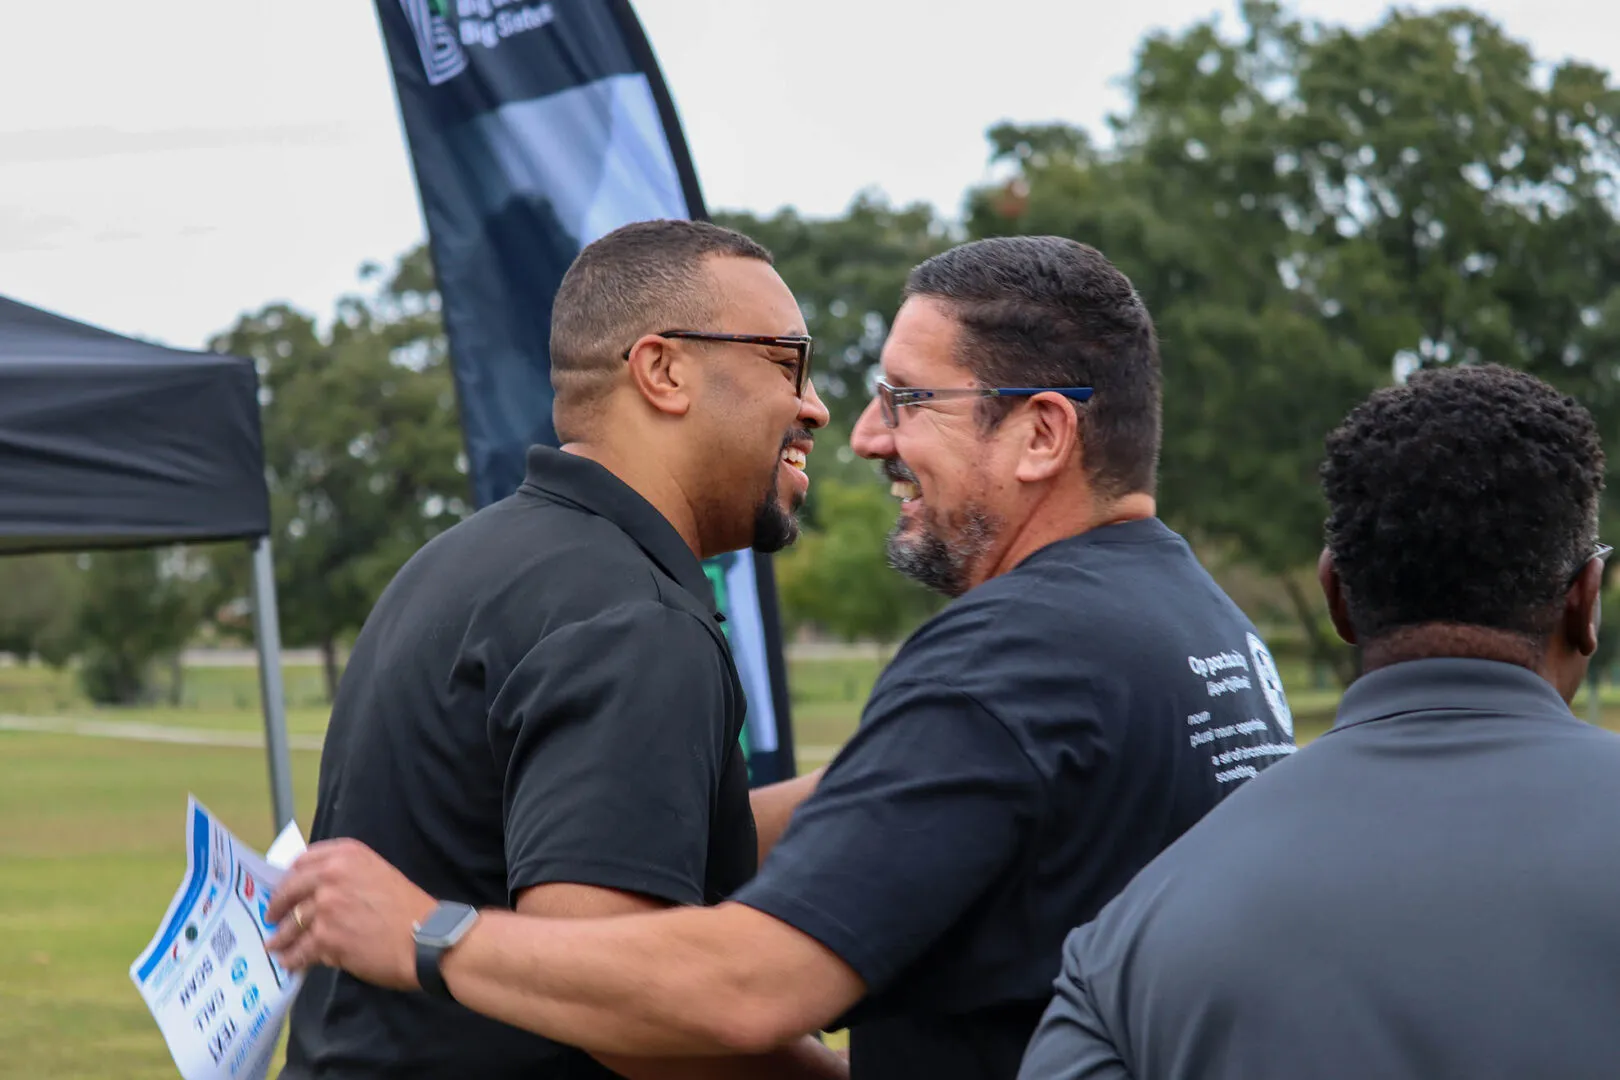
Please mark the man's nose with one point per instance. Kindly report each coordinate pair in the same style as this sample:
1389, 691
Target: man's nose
812, 411
871, 438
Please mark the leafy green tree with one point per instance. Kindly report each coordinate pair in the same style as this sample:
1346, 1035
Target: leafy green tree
362, 447
37, 613
837, 576
136, 608
1310, 212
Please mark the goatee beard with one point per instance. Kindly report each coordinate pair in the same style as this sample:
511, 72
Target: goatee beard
942, 558
774, 527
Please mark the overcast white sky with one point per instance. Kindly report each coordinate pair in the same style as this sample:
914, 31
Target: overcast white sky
166, 166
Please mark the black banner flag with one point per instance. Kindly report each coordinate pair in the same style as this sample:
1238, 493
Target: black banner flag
535, 128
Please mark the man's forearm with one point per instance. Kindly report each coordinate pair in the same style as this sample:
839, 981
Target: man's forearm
675, 983
774, 804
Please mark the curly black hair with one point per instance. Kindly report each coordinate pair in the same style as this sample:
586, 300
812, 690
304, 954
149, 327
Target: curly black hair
1469, 496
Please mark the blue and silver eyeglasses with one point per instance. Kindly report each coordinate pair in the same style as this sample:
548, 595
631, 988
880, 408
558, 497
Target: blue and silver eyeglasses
892, 399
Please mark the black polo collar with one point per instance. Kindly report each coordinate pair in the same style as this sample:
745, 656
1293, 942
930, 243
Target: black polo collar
590, 486
1451, 685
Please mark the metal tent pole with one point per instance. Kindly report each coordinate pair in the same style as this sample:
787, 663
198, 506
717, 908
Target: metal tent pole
267, 635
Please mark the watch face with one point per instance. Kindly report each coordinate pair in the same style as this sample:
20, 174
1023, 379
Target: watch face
447, 923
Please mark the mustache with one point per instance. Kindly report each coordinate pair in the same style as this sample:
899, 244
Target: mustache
801, 434
895, 469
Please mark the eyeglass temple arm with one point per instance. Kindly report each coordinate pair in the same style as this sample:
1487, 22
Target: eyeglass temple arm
1031, 391
905, 394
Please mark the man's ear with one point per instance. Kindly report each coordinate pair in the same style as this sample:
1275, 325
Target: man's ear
1583, 609
1327, 575
1053, 438
661, 374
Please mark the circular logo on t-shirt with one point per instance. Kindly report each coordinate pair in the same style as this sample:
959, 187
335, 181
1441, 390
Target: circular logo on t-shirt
1271, 684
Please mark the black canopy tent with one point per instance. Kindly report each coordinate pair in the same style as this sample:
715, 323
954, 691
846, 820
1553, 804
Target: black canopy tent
110, 442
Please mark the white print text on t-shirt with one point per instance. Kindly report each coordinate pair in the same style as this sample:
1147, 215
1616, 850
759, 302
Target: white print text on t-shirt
1209, 669
1222, 756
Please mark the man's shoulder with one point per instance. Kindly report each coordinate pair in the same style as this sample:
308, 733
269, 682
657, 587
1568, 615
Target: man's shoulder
1591, 739
1066, 607
553, 559
1008, 647
1026, 602
950, 644
1379, 795
487, 591
536, 527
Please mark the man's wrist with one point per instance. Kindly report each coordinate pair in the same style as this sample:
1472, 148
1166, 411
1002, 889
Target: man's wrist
433, 937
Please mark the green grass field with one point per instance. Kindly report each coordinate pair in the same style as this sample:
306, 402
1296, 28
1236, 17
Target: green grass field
92, 835
92, 830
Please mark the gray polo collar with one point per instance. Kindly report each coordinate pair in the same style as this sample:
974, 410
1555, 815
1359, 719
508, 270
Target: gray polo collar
1450, 685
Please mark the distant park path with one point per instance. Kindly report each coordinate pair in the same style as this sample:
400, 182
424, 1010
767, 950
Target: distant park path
810, 650
134, 731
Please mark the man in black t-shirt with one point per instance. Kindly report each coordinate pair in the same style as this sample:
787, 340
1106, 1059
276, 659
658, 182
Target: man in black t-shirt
1087, 697
541, 712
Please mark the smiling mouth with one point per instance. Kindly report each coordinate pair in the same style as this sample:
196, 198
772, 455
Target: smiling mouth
902, 483
795, 457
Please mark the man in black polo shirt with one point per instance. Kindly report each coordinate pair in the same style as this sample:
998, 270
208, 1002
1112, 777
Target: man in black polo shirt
541, 712
1430, 889
1088, 696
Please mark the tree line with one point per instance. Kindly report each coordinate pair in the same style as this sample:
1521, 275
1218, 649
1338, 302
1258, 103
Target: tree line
1309, 212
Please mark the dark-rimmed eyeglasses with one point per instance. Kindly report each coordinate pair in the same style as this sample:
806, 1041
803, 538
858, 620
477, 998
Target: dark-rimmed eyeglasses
892, 399
799, 343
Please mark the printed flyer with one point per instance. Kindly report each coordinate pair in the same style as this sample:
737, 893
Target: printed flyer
217, 995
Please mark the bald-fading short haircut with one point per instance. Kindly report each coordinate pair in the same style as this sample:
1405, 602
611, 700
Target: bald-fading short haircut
641, 278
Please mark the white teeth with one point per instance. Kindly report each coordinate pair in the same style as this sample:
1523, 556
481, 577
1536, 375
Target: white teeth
794, 457
905, 490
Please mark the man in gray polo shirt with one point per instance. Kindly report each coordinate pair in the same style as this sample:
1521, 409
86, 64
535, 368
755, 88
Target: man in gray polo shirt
1432, 888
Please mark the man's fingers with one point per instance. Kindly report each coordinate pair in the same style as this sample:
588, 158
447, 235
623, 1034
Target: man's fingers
296, 888
283, 939
281, 902
299, 940
290, 929
306, 872
343, 906
298, 906
305, 952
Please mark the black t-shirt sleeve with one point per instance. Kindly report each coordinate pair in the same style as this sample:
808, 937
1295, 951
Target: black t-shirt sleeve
611, 737
916, 817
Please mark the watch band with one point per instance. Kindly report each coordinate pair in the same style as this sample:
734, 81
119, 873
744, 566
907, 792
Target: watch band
434, 936
428, 973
